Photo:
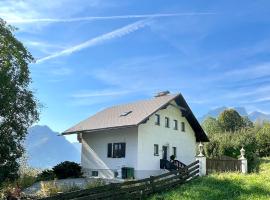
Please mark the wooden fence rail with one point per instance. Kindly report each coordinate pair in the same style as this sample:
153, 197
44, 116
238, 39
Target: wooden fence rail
134, 189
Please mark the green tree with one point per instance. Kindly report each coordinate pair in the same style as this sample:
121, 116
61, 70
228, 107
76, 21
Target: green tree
247, 123
211, 125
263, 140
230, 120
18, 106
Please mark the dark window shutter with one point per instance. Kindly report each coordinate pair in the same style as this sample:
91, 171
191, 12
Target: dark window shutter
114, 150
123, 150
109, 151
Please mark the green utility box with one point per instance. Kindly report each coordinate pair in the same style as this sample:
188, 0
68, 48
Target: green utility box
127, 172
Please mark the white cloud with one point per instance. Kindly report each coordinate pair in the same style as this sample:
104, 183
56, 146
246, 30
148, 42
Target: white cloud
25, 10
102, 93
250, 72
62, 71
44, 47
18, 10
118, 33
42, 44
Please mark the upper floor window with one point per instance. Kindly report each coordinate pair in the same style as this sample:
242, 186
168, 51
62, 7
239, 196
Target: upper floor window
175, 124
116, 150
156, 150
157, 119
167, 122
183, 128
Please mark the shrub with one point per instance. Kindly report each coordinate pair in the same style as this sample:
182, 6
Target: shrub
263, 140
9, 190
229, 144
46, 175
48, 189
26, 181
67, 169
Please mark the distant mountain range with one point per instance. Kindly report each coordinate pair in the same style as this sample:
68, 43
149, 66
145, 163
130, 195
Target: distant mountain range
45, 148
253, 116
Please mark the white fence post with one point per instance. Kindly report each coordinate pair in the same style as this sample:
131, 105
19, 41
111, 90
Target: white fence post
202, 161
244, 164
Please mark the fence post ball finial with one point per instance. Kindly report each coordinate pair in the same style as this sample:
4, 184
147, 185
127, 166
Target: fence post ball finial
200, 149
242, 152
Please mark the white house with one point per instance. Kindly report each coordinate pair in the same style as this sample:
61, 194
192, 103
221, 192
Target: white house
139, 135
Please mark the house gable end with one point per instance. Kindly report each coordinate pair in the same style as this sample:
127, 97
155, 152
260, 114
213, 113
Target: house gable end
180, 103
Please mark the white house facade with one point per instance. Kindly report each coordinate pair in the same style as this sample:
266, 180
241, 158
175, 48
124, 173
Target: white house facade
180, 142
139, 136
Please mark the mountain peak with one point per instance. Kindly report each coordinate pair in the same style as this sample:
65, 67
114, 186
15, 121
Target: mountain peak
253, 116
40, 128
257, 115
45, 148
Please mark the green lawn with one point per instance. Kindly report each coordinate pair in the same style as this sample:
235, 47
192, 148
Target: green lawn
231, 186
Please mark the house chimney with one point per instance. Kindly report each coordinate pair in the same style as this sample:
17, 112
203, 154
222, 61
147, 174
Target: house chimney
163, 93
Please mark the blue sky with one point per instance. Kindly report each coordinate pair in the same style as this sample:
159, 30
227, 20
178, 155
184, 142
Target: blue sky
97, 53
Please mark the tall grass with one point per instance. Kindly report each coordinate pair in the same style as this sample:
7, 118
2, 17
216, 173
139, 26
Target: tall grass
231, 186
95, 183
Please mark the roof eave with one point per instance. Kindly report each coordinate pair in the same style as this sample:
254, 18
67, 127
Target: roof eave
96, 130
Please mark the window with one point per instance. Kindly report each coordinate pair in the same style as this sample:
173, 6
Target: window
182, 113
174, 151
109, 150
125, 113
175, 125
119, 150
116, 150
94, 173
157, 119
156, 150
183, 128
167, 122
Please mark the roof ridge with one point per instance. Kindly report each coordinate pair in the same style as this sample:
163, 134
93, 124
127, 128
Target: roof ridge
142, 100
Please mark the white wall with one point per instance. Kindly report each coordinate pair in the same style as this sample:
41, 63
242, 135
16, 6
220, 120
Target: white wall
94, 150
150, 134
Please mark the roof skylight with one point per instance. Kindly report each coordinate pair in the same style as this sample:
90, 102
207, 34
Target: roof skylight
125, 113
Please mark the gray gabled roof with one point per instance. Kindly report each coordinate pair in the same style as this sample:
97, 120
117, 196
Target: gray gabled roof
132, 114
111, 117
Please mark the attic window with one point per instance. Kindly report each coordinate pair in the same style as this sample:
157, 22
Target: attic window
125, 113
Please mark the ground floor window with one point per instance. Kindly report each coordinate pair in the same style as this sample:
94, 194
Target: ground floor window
156, 150
116, 150
94, 173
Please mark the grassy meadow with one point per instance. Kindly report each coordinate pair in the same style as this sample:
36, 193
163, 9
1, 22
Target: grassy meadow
230, 186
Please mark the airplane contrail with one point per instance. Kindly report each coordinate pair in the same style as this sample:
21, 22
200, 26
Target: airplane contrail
91, 18
120, 32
